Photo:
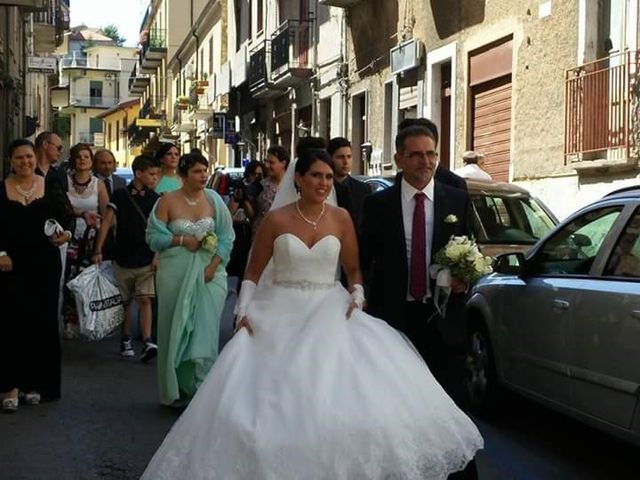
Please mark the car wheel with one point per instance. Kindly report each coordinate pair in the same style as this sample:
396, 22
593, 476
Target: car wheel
481, 379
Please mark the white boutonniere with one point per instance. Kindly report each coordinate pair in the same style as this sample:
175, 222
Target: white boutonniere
451, 218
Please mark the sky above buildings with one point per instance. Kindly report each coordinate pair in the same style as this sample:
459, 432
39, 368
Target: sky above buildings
125, 14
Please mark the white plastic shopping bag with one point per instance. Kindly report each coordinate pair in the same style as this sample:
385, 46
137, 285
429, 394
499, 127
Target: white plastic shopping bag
98, 301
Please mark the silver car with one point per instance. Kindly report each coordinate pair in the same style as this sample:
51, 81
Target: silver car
561, 323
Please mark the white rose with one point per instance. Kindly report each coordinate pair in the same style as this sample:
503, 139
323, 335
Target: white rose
455, 252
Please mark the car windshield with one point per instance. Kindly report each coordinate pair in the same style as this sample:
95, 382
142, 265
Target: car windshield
125, 173
513, 219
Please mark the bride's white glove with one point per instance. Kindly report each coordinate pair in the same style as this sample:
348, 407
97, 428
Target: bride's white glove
357, 299
247, 291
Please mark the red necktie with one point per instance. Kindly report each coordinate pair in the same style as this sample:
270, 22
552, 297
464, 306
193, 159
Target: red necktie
418, 271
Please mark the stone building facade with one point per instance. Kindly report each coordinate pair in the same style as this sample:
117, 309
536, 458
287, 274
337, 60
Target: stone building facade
497, 77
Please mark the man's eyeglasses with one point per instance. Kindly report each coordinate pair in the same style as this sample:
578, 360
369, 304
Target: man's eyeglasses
429, 155
58, 147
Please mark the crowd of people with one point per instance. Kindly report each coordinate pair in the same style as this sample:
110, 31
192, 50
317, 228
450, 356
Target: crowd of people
96, 217
303, 237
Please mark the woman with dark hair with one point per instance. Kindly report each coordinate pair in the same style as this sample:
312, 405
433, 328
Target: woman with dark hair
89, 197
87, 193
192, 231
168, 156
275, 167
311, 386
29, 276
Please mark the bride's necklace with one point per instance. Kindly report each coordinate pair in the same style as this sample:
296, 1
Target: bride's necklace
313, 223
191, 203
27, 194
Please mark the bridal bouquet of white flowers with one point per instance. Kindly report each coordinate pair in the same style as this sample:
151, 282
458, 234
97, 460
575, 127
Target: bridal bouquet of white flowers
459, 258
209, 241
463, 259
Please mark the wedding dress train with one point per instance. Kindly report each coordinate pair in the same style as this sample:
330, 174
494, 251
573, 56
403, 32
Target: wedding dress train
313, 395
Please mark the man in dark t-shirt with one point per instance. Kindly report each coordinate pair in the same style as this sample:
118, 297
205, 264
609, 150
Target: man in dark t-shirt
133, 260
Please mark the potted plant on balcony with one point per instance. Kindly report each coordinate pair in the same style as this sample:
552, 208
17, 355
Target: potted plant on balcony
201, 85
182, 103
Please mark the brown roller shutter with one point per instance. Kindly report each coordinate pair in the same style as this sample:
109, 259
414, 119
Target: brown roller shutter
492, 125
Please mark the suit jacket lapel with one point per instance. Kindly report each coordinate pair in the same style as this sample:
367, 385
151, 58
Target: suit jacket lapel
439, 212
398, 229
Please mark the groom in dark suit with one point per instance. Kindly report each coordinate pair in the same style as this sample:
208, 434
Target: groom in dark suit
403, 228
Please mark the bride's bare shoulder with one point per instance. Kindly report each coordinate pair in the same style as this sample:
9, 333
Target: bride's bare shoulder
280, 215
281, 212
338, 212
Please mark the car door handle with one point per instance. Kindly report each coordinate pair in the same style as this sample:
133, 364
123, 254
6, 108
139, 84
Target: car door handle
636, 314
560, 304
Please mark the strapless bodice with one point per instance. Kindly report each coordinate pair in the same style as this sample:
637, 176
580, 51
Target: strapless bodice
298, 266
184, 226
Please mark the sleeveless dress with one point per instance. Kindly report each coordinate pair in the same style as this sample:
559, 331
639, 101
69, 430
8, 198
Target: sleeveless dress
314, 395
189, 309
86, 201
167, 184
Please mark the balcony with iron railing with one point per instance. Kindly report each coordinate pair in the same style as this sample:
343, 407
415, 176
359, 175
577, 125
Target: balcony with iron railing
181, 120
75, 61
258, 73
292, 52
602, 99
199, 108
30, 5
138, 82
153, 108
92, 101
260, 84
154, 48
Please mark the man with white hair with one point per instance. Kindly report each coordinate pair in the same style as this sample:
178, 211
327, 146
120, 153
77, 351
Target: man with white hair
471, 169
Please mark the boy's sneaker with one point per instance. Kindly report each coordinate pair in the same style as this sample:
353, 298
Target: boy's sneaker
126, 349
31, 398
149, 351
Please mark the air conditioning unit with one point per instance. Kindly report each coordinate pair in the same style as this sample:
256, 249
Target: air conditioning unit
339, 3
406, 55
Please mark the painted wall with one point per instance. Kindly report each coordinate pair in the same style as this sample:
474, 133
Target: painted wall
121, 118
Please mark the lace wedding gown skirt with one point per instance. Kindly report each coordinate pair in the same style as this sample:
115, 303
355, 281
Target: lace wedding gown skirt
314, 395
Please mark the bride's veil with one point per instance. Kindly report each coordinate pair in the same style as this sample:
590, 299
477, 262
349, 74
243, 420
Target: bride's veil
285, 195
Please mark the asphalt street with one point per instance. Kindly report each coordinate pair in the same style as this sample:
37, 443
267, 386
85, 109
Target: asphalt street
108, 424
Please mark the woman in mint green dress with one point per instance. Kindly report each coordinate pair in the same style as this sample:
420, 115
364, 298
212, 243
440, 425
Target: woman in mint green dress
168, 156
192, 230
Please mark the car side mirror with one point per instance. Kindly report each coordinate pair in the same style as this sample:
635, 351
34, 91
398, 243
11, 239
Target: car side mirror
510, 263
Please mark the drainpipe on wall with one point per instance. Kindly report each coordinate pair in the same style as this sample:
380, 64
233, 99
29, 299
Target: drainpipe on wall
344, 77
23, 67
313, 17
194, 35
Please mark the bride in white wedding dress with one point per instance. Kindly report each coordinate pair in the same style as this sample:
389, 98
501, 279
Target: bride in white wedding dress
311, 387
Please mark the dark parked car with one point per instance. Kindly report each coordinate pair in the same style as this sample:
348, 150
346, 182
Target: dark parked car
505, 217
561, 323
